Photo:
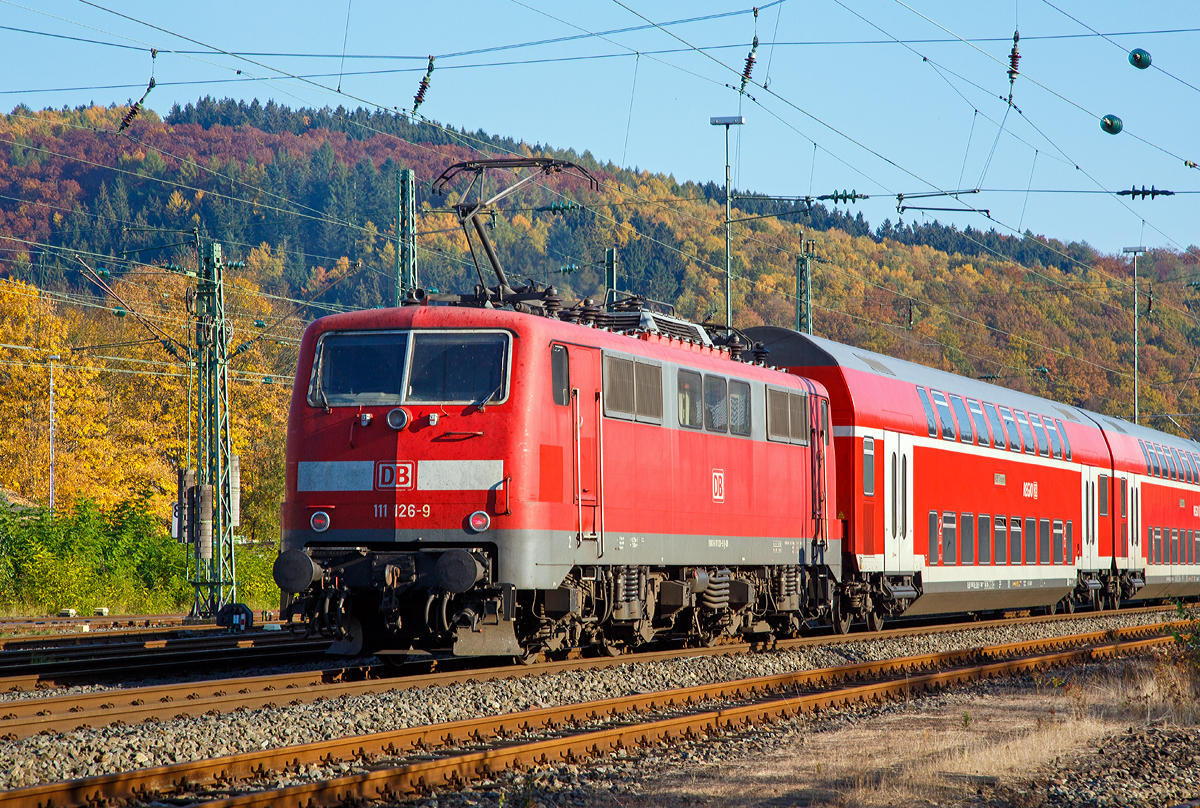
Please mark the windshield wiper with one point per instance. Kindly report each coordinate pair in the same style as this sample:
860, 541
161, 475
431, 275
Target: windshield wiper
484, 402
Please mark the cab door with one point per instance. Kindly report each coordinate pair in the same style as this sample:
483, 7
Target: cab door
586, 447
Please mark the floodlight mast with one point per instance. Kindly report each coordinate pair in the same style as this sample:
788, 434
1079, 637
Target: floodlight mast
1135, 252
727, 121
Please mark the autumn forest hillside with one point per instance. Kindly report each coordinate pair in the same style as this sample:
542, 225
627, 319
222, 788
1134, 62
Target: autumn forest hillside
307, 198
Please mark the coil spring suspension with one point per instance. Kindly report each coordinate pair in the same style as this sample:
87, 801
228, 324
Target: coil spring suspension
787, 580
630, 584
716, 596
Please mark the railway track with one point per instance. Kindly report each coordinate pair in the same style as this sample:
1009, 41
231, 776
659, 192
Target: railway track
22, 718
416, 759
41, 666
46, 625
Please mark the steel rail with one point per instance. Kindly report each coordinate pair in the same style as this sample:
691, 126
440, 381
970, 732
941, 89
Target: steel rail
909, 675
21, 718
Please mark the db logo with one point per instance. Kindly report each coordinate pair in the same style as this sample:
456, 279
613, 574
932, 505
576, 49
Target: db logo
718, 485
394, 476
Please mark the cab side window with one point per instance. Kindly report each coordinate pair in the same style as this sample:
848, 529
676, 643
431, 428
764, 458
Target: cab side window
560, 375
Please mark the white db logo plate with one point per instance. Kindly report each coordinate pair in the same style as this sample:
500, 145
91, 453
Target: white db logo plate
394, 476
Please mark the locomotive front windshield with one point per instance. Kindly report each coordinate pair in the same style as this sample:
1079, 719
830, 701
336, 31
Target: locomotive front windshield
394, 367
361, 368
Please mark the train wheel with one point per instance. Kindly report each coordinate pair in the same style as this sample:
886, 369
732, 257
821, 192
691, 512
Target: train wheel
841, 618
874, 621
529, 658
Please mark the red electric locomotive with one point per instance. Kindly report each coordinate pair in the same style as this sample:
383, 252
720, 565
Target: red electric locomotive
498, 475
492, 482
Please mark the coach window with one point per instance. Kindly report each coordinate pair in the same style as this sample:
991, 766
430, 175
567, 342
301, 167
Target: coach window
1184, 464
560, 375
949, 539
1062, 430
997, 428
980, 422
1058, 541
1030, 540
691, 404
931, 557
825, 421
1030, 446
929, 420
1055, 443
739, 408
943, 409
1162, 461
716, 407
1001, 544
1069, 541
1103, 490
1014, 541
1043, 445
1174, 546
1166, 450
964, 420
1153, 461
904, 495
1183, 472
1154, 535
1187, 464
1014, 437
1145, 456
967, 556
1044, 541
868, 467
985, 539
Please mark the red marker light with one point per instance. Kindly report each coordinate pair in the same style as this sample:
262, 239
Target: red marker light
479, 521
319, 521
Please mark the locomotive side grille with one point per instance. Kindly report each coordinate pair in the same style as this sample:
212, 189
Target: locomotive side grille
799, 409
777, 415
649, 390
618, 385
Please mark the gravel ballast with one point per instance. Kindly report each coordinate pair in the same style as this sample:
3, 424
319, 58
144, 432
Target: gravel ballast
89, 752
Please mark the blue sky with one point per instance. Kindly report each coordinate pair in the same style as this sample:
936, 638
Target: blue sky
887, 118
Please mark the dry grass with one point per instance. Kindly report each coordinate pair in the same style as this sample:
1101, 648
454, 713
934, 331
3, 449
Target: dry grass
943, 755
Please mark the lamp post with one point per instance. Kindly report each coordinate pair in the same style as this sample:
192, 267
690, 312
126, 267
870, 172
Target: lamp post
728, 121
1135, 252
54, 358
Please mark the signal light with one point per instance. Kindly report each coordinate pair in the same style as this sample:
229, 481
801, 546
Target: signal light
479, 521
319, 521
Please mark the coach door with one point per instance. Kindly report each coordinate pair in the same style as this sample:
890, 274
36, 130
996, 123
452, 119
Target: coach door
898, 503
587, 451
1089, 553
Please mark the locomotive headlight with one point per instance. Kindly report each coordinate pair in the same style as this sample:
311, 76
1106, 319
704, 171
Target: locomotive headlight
319, 521
398, 418
479, 521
